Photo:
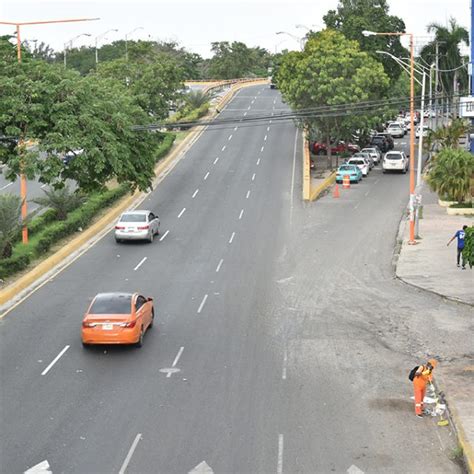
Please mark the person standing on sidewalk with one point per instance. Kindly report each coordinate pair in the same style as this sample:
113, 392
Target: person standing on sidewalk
460, 235
423, 375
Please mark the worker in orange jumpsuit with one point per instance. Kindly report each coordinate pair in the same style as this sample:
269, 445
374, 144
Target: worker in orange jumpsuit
423, 375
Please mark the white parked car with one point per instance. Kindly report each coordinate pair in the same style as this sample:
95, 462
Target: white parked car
396, 130
137, 225
361, 163
395, 161
374, 153
426, 130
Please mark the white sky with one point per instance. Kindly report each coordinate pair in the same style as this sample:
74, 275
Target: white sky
195, 24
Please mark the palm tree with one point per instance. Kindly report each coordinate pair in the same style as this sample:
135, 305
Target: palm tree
197, 98
62, 200
451, 174
446, 136
10, 222
448, 38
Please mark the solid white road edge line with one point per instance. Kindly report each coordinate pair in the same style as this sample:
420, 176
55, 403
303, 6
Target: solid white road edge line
45, 371
164, 235
130, 453
280, 454
203, 302
182, 212
241, 214
195, 192
221, 261
207, 175
232, 237
142, 261
292, 188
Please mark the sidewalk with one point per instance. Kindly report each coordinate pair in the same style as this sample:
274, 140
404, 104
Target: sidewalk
320, 174
431, 266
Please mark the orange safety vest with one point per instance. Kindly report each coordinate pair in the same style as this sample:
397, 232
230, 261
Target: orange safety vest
422, 376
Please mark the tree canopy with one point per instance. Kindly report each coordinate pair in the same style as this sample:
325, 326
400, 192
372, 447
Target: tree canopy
62, 112
332, 70
354, 16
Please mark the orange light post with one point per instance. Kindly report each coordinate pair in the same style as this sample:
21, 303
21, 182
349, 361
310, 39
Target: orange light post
411, 240
23, 190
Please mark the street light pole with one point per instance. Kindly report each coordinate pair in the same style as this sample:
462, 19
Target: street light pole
126, 40
69, 43
23, 190
97, 38
411, 240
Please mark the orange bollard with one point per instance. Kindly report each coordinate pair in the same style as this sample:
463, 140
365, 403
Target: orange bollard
346, 182
335, 193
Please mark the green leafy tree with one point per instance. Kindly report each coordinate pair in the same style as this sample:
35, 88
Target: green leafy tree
449, 39
63, 112
10, 222
354, 16
331, 71
155, 85
61, 200
452, 174
235, 60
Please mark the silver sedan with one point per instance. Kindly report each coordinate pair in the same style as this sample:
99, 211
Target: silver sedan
137, 225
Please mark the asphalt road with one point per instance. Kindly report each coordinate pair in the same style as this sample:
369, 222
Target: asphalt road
292, 339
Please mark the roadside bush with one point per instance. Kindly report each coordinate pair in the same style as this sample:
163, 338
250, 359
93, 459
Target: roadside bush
165, 146
14, 264
468, 251
188, 115
451, 174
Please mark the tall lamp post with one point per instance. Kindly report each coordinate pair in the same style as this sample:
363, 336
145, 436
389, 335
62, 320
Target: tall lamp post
24, 207
411, 240
126, 40
97, 38
297, 38
68, 44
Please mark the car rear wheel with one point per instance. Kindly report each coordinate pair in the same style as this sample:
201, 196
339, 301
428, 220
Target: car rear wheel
152, 318
150, 237
85, 345
118, 241
139, 343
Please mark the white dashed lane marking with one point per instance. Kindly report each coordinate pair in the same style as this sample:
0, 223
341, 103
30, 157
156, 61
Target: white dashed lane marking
219, 265
241, 214
195, 192
216, 160
258, 161
232, 238
142, 261
253, 177
206, 176
248, 194
261, 149
203, 302
223, 148
45, 371
164, 235
182, 212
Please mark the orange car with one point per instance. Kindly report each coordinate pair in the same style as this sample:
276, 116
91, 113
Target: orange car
117, 318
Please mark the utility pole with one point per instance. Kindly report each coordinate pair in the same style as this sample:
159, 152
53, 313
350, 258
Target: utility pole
436, 85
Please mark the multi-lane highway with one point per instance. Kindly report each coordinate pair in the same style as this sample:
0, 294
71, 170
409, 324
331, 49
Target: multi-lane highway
291, 337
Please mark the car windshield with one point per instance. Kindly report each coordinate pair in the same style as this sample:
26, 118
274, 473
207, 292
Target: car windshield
133, 218
111, 304
358, 162
394, 156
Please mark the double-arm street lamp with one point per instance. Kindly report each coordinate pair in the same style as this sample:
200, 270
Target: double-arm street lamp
297, 38
97, 38
24, 208
411, 240
126, 40
68, 44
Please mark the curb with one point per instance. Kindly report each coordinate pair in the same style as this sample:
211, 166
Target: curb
456, 423
331, 179
19, 289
